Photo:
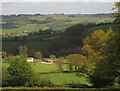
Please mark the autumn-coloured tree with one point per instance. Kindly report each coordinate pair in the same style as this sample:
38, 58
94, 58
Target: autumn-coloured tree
95, 40
92, 46
117, 13
102, 50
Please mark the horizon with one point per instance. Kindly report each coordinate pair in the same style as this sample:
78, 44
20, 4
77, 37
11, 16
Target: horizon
16, 8
56, 14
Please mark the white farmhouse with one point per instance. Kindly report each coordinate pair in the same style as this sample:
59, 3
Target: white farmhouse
30, 59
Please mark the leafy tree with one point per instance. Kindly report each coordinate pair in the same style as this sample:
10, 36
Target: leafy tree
60, 63
102, 75
20, 72
92, 46
3, 54
78, 61
117, 14
117, 82
38, 55
111, 50
88, 51
95, 40
52, 56
23, 50
107, 68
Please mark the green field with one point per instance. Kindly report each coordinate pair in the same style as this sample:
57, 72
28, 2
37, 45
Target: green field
56, 78
20, 29
66, 78
39, 67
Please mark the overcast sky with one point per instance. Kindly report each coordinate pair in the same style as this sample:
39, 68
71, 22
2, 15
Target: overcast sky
59, 0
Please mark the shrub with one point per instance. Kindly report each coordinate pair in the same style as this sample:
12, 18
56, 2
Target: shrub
73, 85
9, 59
102, 75
20, 72
37, 81
5, 77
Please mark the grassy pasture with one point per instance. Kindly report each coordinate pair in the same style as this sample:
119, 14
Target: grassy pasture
21, 29
65, 78
39, 67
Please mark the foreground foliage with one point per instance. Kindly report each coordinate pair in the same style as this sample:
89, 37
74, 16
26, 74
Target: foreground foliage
20, 72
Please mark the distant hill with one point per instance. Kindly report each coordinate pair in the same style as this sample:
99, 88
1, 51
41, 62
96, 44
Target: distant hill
25, 23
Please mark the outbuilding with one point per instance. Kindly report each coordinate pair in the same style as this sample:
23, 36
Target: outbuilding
30, 59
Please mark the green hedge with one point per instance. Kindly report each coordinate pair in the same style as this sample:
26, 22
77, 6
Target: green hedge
59, 89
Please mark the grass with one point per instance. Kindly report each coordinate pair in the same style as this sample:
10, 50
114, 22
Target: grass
39, 67
21, 29
66, 78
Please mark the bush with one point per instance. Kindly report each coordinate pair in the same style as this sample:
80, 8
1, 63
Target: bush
73, 85
37, 81
20, 72
38, 55
9, 59
5, 77
102, 75
66, 71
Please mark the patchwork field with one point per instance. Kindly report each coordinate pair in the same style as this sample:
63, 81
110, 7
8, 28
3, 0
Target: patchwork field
23, 24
